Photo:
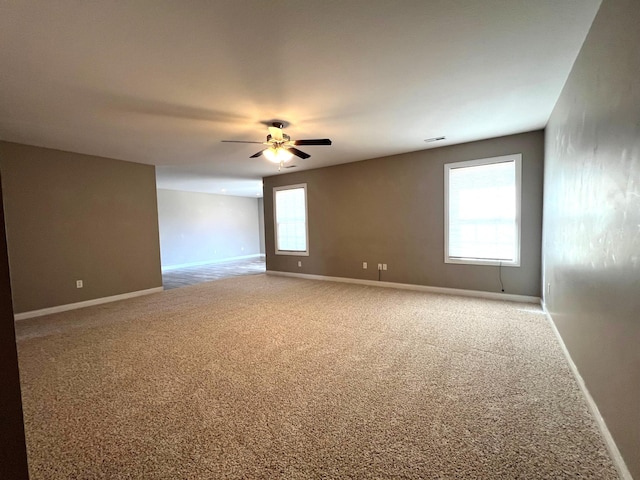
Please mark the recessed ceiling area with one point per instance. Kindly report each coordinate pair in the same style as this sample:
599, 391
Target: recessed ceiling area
163, 82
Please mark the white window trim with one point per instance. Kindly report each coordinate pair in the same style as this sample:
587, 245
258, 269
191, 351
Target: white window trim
298, 253
517, 158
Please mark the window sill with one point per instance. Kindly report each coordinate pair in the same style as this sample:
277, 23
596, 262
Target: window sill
488, 263
292, 253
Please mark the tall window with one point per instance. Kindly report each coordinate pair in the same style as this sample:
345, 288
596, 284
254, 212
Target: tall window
290, 212
482, 211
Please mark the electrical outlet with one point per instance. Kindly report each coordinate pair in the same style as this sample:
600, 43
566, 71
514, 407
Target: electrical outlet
548, 288
299, 263
379, 266
384, 266
364, 265
79, 284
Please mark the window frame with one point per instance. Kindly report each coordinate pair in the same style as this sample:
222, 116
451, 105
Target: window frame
517, 159
299, 253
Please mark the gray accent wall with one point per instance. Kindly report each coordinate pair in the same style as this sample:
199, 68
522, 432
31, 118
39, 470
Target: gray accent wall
591, 248
77, 217
205, 228
391, 210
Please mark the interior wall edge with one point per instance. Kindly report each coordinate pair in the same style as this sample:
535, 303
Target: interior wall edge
13, 450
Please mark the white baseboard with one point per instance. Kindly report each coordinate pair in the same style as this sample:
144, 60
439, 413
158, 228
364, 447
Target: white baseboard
86, 303
408, 286
209, 262
618, 461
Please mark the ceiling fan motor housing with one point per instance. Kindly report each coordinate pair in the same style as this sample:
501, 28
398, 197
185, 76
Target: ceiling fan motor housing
285, 138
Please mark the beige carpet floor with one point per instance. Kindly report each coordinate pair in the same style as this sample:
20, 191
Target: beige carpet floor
280, 378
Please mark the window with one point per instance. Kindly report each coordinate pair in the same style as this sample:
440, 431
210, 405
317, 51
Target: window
482, 211
290, 212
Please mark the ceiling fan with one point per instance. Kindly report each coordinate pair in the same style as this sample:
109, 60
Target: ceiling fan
280, 148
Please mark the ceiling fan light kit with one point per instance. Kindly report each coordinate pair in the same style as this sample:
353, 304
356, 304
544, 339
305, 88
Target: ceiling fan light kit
280, 148
277, 155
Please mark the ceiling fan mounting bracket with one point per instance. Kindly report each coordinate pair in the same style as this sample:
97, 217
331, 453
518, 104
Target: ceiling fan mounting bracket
275, 122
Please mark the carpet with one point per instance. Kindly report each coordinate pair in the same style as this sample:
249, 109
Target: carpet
181, 277
281, 378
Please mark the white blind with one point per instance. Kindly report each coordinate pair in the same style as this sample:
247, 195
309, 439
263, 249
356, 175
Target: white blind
482, 212
291, 219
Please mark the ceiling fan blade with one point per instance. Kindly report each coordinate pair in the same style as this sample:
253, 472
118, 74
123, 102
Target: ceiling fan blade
298, 153
319, 141
256, 155
276, 133
237, 141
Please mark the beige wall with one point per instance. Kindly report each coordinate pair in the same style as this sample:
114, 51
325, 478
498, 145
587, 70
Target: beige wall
203, 227
71, 216
591, 247
391, 210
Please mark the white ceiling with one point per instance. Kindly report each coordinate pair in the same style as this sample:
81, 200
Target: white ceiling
162, 82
